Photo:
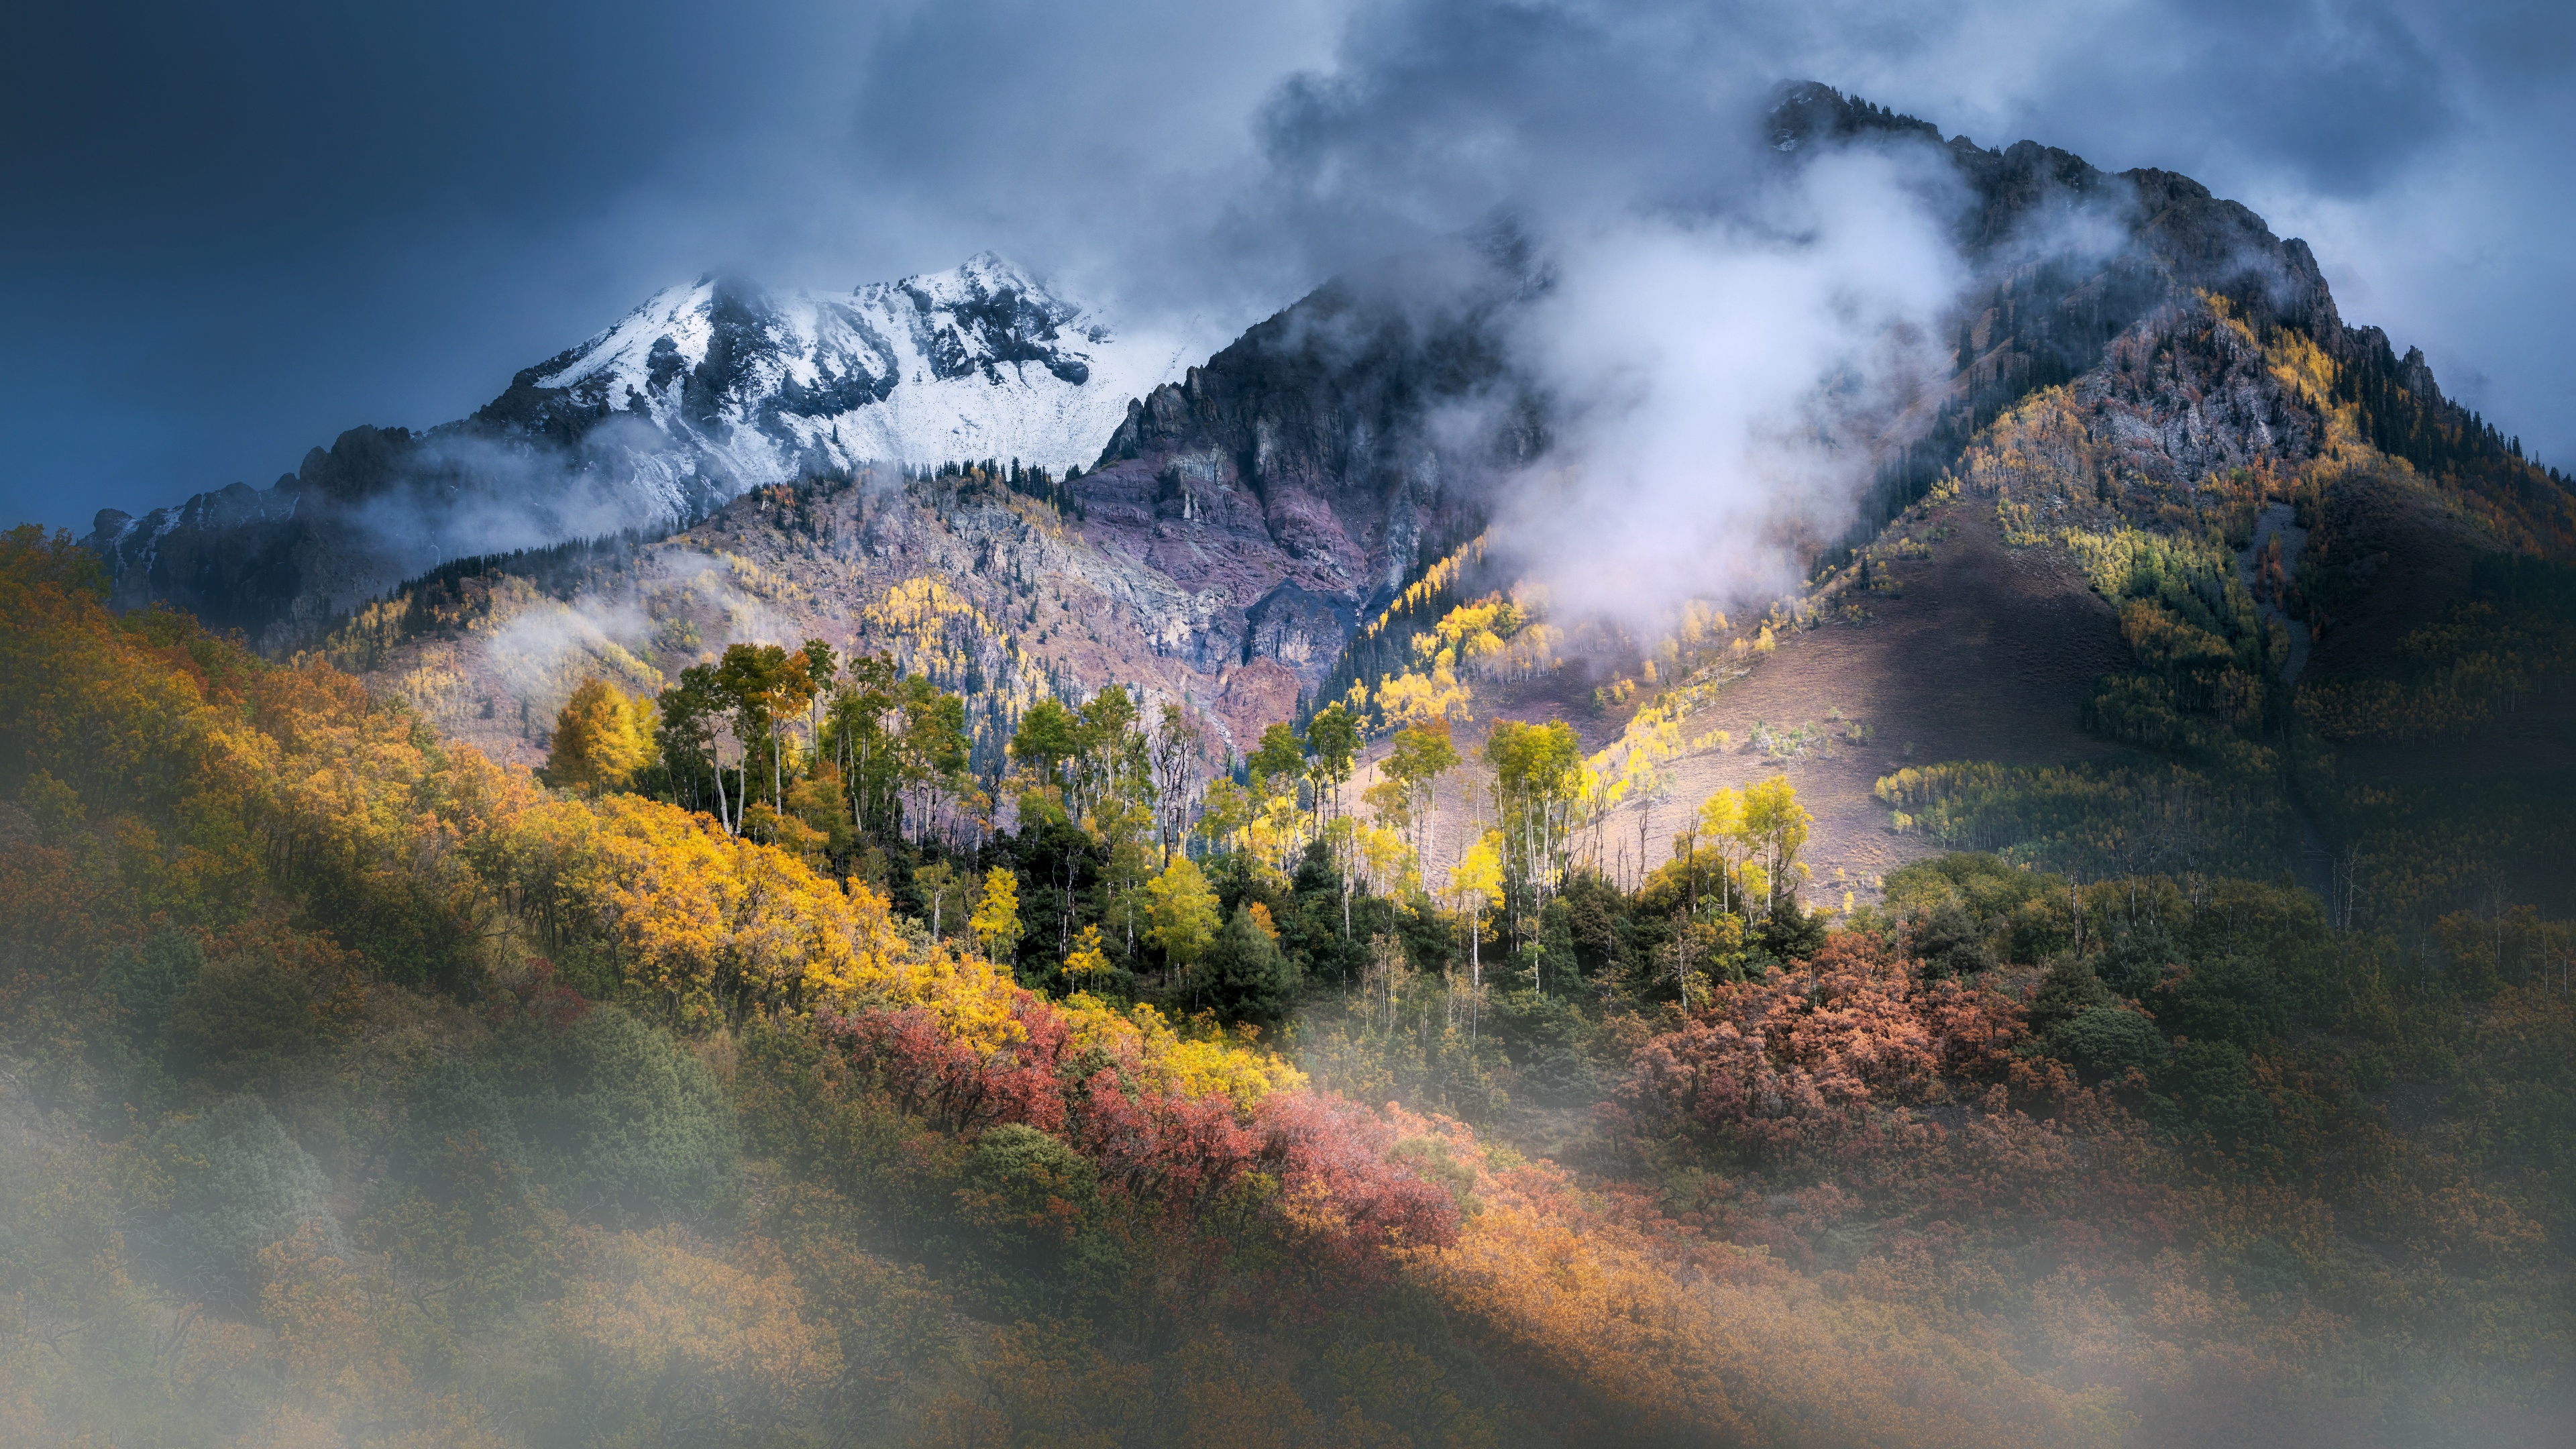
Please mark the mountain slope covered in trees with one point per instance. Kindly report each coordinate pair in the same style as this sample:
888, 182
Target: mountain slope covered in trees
371, 1089
1198, 952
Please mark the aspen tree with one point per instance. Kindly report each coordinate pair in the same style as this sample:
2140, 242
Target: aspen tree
996, 922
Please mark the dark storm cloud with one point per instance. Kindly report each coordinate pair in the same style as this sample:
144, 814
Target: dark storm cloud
1439, 110
231, 232
2343, 95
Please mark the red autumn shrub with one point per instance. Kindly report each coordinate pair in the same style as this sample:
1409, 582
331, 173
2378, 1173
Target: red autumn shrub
1849, 1070
1309, 1169
1794, 1061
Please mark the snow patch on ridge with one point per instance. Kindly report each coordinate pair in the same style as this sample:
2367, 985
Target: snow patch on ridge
625, 351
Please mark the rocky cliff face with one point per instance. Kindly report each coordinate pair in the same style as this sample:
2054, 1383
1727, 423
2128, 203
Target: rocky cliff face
279, 562
1328, 446
979, 587
1332, 447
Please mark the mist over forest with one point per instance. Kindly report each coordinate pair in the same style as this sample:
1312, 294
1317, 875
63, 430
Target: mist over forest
1724, 769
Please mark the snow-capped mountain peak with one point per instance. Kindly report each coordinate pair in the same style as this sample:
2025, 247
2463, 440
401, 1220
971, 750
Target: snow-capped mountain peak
707, 390
981, 360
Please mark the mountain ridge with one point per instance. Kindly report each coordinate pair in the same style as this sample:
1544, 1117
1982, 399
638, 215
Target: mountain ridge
702, 392
1253, 510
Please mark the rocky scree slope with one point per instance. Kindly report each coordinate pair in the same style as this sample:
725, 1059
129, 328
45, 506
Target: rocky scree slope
979, 587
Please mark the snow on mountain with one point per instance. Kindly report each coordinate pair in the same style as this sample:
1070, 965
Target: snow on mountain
701, 394
978, 361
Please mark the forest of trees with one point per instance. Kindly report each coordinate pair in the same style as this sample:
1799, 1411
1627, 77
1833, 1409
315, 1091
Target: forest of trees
753, 1078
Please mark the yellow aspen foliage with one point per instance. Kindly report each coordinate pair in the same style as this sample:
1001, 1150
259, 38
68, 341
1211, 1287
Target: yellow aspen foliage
1184, 912
1475, 884
1721, 815
1439, 576
1390, 861
1278, 830
1409, 701
708, 924
1087, 959
1774, 831
1195, 1063
602, 737
996, 920
1478, 876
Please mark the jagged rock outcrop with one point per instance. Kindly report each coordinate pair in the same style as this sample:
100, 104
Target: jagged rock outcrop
233, 557
272, 562
1310, 445
1325, 448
